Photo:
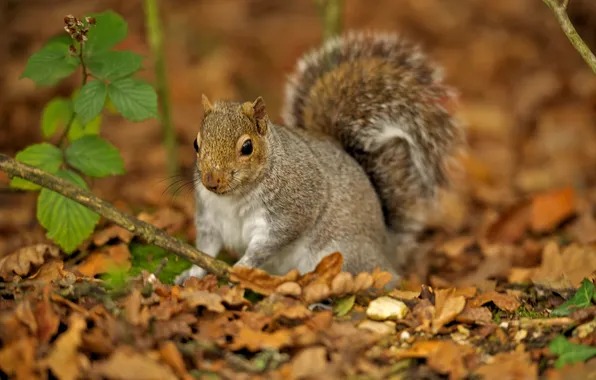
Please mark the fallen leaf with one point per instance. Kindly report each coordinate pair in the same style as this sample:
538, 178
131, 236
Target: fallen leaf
566, 269
208, 283
447, 307
448, 358
115, 256
18, 359
344, 305
50, 271
289, 288
233, 296
309, 362
502, 301
404, 294
382, 328
316, 292
172, 357
551, 208
260, 281
166, 218
46, 318
570, 352
581, 299
113, 231
23, 260
478, 315
211, 301
456, 246
127, 364
509, 365
324, 272
63, 359
258, 340
511, 225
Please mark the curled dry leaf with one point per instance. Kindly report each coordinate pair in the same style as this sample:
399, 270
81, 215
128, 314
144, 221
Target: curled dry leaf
316, 292
52, 270
260, 281
447, 307
325, 271
478, 315
289, 288
23, 260
63, 360
502, 301
551, 208
127, 364
113, 231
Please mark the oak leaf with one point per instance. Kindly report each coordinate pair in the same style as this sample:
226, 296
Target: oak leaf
447, 307
211, 301
23, 260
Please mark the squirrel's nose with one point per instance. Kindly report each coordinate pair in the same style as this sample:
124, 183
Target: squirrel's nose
213, 179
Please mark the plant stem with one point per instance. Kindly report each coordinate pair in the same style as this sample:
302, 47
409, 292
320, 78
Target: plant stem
148, 232
560, 11
331, 13
74, 114
155, 35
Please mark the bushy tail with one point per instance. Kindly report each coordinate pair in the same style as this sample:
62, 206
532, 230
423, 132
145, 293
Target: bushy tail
384, 101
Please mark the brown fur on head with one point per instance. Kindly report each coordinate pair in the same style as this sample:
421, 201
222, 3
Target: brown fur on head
232, 146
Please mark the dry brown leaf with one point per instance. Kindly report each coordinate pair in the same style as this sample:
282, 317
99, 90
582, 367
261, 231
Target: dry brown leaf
63, 360
113, 231
456, 246
551, 208
46, 318
103, 261
448, 358
254, 340
289, 288
447, 307
316, 292
233, 296
127, 364
505, 302
309, 362
260, 281
511, 225
208, 283
166, 218
21, 261
324, 272
170, 355
52, 270
380, 278
211, 301
18, 359
565, 269
509, 365
132, 307
404, 294
478, 315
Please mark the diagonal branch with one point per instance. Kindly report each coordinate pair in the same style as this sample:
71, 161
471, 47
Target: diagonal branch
148, 232
559, 8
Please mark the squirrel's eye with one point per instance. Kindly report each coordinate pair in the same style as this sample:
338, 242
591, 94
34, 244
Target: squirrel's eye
246, 149
196, 145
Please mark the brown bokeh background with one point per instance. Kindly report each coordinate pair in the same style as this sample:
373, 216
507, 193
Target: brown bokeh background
527, 98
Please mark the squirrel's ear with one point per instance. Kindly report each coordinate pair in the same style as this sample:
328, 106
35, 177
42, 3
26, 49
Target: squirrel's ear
207, 107
260, 115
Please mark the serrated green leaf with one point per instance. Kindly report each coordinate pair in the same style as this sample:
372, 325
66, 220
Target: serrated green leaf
50, 64
112, 65
109, 30
55, 114
44, 156
581, 298
570, 352
148, 257
90, 101
134, 99
67, 222
344, 305
78, 130
95, 157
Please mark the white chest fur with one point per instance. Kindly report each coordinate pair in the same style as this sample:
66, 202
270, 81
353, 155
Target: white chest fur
239, 220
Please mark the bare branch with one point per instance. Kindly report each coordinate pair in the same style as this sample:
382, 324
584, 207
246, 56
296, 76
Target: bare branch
560, 11
148, 232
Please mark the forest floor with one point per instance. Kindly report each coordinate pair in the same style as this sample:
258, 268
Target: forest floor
503, 287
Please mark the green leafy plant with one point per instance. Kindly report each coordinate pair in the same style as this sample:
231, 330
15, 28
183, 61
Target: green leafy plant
582, 298
73, 149
568, 352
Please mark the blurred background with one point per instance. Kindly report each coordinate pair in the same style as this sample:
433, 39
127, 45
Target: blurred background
527, 97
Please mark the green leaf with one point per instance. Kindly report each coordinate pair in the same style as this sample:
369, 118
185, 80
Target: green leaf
344, 305
67, 222
109, 30
95, 157
50, 64
111, 65
148, 257
134, 99
582, 298
44, 156
90, 101
570, 352
55, 114
78, 130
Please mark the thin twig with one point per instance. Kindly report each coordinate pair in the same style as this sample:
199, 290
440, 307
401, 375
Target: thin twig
147, 232
155, 35
331, 13
74, 114
560, 11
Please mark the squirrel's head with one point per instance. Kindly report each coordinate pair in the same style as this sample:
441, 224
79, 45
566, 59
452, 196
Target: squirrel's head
231, 144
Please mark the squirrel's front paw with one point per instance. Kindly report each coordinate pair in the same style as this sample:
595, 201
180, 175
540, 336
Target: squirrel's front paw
194, 271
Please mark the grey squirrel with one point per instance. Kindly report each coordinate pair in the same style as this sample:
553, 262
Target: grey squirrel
354, 169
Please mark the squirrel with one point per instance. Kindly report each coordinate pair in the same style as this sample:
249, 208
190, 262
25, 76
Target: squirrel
354, 168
